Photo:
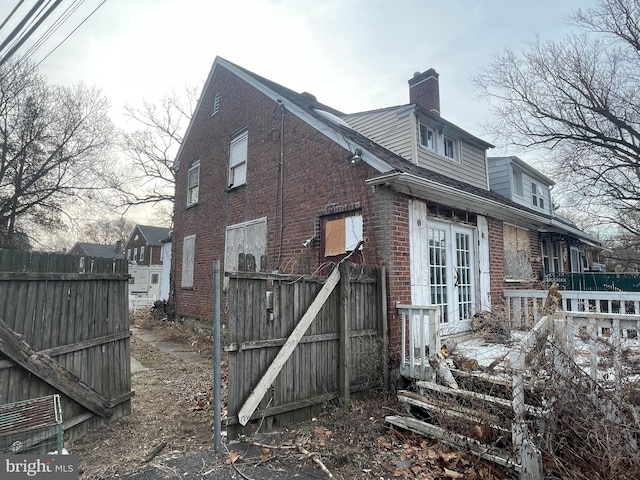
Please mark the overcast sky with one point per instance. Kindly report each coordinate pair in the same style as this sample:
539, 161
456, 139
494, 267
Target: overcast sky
353, 55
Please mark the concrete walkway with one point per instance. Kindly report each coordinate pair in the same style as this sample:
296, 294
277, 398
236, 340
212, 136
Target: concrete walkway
172, 348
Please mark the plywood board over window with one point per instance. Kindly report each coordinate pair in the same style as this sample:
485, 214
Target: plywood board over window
341, 235
517, 253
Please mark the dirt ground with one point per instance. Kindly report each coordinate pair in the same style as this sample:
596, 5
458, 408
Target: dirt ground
171, 412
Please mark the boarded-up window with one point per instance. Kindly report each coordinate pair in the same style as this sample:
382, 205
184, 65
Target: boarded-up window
246, 246
188, 261
517, 253
342, 235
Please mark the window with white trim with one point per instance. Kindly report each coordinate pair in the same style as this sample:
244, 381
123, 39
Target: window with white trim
135, 253
434, 139
451, 149
238, 160
551, 256
518, 186
537, 198
427, 137
188, 261
142, 253
193, 183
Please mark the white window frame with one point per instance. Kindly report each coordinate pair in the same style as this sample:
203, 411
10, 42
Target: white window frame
193, 183
142, 253
135, 254
552, 255
429, 143
434, 139
518, 182
129, 254
238, 149
188, 261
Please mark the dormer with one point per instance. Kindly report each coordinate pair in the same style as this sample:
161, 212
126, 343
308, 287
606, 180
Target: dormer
521, 183
418, 133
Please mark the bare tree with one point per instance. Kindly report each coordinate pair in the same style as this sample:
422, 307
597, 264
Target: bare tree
151, 149
53, 144
108, 232
578, 99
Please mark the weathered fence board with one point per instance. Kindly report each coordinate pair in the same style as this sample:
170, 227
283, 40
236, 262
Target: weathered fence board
78, 326
260, 323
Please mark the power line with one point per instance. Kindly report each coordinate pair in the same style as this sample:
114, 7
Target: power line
17, 29
72, 32
42, 18
11, 14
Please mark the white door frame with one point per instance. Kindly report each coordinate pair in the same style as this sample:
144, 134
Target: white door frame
455, 257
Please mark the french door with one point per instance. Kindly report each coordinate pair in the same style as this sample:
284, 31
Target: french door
451, 275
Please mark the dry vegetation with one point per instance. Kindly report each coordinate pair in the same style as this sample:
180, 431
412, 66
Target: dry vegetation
172, 409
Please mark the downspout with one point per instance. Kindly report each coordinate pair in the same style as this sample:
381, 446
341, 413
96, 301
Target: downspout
281, 186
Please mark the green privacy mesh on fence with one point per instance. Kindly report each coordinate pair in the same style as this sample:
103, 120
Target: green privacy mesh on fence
31, 426
596, 281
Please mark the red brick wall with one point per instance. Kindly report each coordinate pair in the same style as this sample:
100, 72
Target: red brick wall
496, 260
317, 173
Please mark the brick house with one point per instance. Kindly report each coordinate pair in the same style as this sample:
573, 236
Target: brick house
145, 252
144, 246
274, 173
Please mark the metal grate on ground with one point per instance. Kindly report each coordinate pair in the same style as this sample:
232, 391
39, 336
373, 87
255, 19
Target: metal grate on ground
31, 426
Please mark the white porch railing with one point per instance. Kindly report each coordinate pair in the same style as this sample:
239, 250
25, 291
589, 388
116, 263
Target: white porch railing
420, 338
524, 307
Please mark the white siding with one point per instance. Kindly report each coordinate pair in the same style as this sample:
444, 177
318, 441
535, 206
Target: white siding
386, 127
471, 169
500, 176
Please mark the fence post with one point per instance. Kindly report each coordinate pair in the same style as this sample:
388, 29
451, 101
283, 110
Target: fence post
345, 333
217, 388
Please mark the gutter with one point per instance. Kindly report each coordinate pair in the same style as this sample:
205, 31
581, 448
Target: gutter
427, 189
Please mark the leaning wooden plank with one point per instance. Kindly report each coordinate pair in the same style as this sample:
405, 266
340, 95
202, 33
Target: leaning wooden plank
496, 455
47, 369
287, 349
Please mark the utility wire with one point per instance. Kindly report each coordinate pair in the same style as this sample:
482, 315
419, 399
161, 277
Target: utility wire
11, 14
13, 49
21, 24
51, 30
72, 32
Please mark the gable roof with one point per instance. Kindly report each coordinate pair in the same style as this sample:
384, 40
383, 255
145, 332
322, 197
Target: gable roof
394, 170
98, 250
153, 235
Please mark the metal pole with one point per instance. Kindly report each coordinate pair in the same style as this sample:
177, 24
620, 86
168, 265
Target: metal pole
217, 388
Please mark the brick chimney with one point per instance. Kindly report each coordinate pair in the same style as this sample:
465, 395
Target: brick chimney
424, 90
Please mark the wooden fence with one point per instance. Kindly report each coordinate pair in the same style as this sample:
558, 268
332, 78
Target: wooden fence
343, 350
67, 332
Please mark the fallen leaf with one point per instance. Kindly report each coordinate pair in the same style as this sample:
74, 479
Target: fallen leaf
232, 457
451, 474
266, 453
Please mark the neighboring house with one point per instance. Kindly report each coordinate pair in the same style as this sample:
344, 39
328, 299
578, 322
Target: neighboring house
84, 249
273, 173
144, 246
144, 251
562, 246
